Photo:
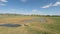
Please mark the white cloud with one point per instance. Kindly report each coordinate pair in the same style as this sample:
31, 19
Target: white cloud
3, 1
13, 9
56, 4
34, 10
24, 0
2, 4
50, 5
47, 6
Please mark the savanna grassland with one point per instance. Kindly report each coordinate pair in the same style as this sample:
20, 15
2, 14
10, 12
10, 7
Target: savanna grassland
30, 25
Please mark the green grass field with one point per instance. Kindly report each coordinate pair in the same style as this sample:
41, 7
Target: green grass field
50, 26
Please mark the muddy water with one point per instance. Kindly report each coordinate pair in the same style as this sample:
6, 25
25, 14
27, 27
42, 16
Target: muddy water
42, 20
27, 21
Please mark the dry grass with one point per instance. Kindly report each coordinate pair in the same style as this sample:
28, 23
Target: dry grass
32, 28
13, 20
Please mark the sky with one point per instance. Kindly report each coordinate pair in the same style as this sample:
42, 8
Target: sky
40, 7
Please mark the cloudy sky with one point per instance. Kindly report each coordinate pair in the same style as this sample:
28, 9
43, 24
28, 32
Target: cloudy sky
42, 7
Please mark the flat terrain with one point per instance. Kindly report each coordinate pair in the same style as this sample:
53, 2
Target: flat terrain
30, 25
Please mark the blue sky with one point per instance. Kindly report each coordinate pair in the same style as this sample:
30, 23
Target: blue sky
41, 7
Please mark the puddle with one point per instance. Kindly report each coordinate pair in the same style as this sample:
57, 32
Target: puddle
10, 25
27, 20
42, 20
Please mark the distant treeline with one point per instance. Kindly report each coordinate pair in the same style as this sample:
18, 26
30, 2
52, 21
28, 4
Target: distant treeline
44, 15
10, 14
29, 15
